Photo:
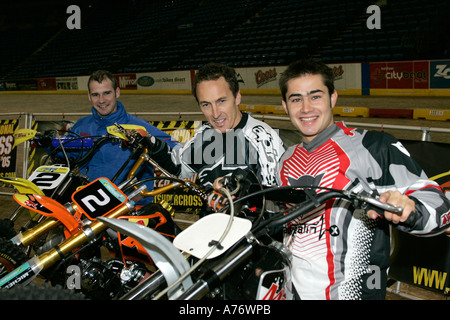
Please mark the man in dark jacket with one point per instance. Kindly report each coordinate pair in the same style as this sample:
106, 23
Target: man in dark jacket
103, 92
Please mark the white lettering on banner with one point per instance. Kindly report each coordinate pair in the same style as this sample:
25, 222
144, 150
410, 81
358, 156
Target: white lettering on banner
394, 75
6, 143
442, 71
125, 81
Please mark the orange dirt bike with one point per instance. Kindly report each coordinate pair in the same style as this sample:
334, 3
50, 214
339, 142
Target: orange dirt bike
56, 177
83, 231
231, 257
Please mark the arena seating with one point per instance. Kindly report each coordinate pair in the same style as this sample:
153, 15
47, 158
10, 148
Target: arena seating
139, 35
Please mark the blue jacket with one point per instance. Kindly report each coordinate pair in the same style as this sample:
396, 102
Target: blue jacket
111, 155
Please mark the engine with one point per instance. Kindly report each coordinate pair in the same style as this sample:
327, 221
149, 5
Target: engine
101, 280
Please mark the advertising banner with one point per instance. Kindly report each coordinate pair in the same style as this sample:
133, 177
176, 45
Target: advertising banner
425, 261
46, 84
21, 85
126, 81
399, 75
347, 77
182, 200
67, 83
440, 74
176, 80
8, 154
259, 78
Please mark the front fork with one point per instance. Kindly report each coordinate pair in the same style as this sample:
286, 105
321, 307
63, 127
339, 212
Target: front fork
30, 269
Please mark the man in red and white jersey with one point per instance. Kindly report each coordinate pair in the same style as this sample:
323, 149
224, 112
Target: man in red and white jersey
340, 252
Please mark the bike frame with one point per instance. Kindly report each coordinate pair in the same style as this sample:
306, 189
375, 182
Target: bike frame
85, 233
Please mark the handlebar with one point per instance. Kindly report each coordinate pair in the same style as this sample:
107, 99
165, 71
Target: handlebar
222, 267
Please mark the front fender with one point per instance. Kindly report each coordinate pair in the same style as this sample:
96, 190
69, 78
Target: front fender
23, 185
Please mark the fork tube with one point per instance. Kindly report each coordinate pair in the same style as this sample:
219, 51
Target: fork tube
29, 236
137, 164
48, 258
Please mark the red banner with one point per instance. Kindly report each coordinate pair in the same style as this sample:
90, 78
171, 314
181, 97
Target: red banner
126, 81
47, 84
399, 75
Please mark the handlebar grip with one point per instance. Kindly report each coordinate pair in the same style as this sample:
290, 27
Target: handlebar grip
411, 220
383, 205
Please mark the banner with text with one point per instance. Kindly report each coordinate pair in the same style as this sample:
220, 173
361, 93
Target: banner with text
425, 261
8, 154
399, 75
440, 74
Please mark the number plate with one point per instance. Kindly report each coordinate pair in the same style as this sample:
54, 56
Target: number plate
48, 177
98, 198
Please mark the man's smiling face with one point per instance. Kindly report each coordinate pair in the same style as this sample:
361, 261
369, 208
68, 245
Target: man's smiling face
218, 104
103, 97
309, 105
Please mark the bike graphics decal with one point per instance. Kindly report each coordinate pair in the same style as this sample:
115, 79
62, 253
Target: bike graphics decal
22, 274
49, 177
116, 131
30, 201
98, 198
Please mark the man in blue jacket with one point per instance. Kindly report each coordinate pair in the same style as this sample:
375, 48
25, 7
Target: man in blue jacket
103, 93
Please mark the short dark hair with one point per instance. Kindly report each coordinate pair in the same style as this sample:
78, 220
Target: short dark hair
101, 75
304, 67
213, 71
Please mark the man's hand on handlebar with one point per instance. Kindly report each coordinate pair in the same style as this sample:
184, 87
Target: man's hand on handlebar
216, 200
399, 200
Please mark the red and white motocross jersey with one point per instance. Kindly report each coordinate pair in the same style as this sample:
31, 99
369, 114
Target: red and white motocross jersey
338, 252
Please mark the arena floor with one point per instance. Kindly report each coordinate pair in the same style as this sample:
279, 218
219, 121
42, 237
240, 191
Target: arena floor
61, 105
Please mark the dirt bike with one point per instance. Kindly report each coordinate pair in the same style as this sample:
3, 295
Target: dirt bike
58, 180
224, 256
82, 229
